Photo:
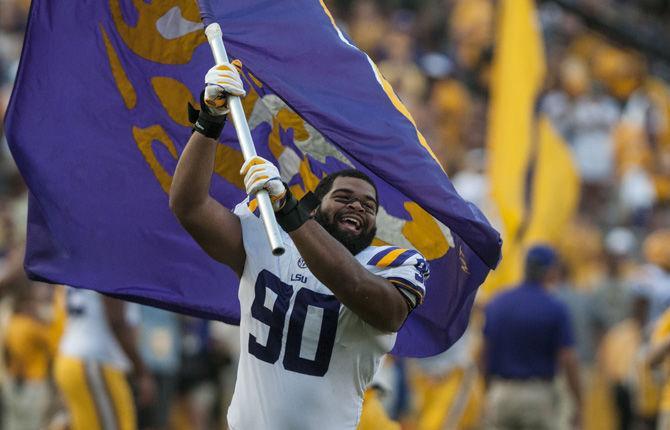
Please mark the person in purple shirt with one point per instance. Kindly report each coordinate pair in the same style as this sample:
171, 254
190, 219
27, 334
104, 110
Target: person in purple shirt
527, 338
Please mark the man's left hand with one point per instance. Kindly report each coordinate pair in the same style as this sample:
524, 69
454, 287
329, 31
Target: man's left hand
260, 174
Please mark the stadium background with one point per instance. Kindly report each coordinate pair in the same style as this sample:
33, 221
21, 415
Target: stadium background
606, 92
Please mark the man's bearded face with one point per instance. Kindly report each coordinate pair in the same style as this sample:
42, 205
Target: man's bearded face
349, 212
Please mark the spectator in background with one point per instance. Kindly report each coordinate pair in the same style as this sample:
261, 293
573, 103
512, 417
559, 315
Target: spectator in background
584, 257
637, 191
654, 280
658, 93
13, 214
31, 341
618, 359
527, 337
593, 309
472, 183
97, 351
160, 348
574, 80
450, 108
471, 38
399, 398
579, 304
374, 415
613, 298
198, 386
659, 356
624, 74
585, 117
398, 67
367, 27
225, 340
448, 388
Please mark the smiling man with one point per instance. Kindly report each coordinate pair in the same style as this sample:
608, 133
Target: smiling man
316, 321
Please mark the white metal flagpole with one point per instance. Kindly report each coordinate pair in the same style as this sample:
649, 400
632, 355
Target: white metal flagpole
214, 36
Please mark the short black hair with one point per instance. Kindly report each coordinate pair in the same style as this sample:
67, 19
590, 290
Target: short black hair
540, 259
326, 183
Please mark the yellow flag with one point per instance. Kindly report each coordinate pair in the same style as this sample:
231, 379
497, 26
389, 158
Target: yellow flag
534, 183
555, 187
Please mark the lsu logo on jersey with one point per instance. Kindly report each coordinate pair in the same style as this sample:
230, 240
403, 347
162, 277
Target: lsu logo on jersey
423, 270
405, 268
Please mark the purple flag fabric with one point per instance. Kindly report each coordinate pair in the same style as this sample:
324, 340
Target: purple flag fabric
97, 120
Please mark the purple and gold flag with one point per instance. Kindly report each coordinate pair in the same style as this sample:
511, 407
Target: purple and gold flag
97, 121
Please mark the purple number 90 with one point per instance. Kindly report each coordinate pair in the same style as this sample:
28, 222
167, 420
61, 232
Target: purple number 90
275, 319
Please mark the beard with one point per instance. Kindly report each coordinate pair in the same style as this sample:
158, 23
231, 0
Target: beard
354, 243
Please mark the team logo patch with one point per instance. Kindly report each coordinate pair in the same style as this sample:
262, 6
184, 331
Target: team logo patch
301, 263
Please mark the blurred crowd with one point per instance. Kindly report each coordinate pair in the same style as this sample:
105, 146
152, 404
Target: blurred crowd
610, 103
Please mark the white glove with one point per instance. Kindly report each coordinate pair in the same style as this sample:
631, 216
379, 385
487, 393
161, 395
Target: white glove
260, 174
221, 81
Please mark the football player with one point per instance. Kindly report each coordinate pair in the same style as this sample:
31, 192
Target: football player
98, 349
316, 321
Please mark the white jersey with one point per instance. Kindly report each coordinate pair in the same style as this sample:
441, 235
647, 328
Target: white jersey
305, 359
87, 334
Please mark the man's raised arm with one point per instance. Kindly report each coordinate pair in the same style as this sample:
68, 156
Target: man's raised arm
373, 298
216, 229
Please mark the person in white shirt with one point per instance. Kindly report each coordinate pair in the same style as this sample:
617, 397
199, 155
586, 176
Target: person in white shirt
316, 321
96, 353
